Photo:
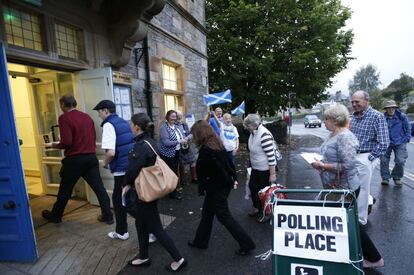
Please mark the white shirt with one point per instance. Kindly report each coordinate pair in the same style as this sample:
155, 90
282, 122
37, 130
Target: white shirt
109, 141
229, 136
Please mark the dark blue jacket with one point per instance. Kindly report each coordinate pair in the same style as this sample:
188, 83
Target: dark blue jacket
124, 143
398, 127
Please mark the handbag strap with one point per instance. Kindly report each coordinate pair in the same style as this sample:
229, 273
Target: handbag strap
149, 144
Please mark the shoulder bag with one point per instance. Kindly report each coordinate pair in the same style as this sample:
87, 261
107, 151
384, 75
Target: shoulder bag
156, 181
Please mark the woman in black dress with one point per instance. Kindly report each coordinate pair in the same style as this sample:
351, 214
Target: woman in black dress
217, 176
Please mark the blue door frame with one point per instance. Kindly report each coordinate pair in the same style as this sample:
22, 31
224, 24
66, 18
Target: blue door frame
17, 238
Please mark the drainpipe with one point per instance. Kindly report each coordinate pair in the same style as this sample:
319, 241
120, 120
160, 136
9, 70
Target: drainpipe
147, 89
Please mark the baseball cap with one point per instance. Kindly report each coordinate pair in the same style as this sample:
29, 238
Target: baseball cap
104, 104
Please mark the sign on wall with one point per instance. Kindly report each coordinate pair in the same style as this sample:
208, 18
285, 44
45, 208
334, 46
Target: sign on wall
319, 233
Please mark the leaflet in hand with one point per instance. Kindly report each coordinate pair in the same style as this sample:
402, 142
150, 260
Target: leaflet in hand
311, 157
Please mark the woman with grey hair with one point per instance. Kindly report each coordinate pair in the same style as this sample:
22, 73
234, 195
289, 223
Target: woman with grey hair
262, 160
338, 168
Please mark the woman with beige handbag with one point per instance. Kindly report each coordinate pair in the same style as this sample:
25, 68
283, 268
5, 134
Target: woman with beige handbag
147, 218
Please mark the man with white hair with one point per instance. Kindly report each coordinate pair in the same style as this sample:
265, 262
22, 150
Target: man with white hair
370, 128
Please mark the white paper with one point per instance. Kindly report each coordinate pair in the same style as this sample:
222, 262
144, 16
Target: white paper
125, 96
249, 171
117, 96
311, 157
126, 112
190, 120
119, 110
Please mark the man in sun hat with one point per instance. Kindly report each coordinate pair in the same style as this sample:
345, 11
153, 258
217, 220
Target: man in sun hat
400, 133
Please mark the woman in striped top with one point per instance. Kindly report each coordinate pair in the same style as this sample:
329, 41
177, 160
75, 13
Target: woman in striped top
261, 147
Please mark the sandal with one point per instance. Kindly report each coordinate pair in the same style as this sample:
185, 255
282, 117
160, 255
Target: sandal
181, 266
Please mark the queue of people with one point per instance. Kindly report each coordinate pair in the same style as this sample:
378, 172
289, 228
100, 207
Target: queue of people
349, 156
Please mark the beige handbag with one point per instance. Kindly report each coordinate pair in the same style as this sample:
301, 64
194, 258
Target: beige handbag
156, 181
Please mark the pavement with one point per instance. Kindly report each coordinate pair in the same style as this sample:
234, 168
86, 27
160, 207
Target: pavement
391, 223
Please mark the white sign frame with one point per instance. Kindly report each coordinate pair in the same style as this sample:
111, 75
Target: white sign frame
304, 229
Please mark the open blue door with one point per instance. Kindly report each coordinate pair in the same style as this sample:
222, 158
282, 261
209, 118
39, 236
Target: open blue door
17, 239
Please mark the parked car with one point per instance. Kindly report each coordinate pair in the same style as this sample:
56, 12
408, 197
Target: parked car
312, 121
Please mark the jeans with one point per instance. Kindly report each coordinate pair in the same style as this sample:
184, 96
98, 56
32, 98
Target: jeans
87, 167
258, 180
365, 169
148, 220
215, 204
401, 155
120, 211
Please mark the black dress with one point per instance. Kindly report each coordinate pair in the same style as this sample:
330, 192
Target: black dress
217, 174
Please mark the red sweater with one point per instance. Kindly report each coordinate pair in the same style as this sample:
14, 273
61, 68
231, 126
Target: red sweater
77, 133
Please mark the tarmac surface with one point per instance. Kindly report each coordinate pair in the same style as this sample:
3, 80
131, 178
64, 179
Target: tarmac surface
391, 223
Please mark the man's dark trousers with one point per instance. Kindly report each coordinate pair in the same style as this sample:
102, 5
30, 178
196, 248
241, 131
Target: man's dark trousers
87, 167
120, 212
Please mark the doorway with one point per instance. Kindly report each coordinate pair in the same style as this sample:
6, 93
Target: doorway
35, 96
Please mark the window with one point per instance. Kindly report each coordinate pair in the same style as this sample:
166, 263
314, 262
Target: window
22, 28
69, 41
173, 102
169, 76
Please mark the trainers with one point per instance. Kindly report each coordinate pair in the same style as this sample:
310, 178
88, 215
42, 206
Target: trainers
397, 182
114, 235
385, 182
152, 238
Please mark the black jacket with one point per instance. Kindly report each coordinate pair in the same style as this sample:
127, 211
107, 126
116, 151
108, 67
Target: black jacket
139, 157
214, 170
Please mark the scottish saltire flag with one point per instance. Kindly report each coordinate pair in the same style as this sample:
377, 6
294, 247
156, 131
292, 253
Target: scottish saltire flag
217, 98
239, 110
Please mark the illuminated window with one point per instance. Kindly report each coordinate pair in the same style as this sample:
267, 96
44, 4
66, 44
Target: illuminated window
22, 28
169, 76
69, 41
173, 102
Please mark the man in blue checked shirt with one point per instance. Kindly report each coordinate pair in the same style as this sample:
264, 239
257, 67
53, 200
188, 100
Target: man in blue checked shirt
371, 129
400, 134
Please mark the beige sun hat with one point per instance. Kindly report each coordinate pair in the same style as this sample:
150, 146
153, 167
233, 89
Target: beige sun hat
390, 104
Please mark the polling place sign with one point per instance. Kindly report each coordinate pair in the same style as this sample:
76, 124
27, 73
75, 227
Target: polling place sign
319, 233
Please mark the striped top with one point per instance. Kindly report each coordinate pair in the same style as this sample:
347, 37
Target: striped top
262, 149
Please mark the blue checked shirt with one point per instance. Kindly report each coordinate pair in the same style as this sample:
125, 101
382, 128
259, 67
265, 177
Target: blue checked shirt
372, 132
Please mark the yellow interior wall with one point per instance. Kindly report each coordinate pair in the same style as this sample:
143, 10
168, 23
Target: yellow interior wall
21, 104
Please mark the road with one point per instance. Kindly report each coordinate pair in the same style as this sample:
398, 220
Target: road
408, 180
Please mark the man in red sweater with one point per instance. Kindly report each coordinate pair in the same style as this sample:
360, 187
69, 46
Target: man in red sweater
77, 138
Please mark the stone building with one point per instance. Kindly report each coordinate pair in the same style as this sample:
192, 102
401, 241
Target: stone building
146, 55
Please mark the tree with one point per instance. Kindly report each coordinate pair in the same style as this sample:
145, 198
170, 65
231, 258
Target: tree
399, 88
265, 50
366, 79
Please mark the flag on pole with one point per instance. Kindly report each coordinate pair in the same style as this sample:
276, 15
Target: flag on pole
217, 98
239, 110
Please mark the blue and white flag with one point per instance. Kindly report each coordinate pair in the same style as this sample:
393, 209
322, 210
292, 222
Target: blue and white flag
217, 98
239, 110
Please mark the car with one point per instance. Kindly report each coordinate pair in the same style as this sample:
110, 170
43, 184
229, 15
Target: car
312, 121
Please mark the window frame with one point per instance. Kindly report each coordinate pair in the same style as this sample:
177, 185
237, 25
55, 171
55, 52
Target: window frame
32, 12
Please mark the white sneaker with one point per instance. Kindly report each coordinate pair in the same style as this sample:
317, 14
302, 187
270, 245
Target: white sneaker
152, 238
114, 235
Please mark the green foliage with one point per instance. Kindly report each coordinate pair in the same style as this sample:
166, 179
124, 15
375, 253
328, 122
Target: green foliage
265, 49
366, 79
399, 88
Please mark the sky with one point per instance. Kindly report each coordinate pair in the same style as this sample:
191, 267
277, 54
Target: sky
383, 36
